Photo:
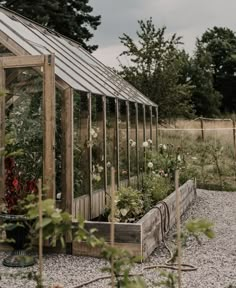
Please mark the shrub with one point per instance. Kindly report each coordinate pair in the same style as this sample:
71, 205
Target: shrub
129, 205
155, 189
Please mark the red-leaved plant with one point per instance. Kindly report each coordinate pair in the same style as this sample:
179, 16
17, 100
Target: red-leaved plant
15, 188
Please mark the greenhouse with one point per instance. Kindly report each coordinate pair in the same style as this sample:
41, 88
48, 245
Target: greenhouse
72, 117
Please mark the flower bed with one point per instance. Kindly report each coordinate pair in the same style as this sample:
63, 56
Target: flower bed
143, 237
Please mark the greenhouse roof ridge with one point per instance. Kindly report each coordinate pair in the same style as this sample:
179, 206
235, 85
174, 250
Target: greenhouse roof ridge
73, 64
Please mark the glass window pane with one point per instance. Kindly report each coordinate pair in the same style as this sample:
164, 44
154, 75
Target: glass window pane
81, 167
111, 136
24, 131
97, 143
132, 140
123, 141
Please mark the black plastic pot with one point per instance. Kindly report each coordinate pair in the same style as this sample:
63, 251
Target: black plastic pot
17, 231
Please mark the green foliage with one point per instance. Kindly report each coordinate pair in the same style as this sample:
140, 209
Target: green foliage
205, 98
197, 227
71, 18
155, 188
122, 262
129, 205
157, 69
168, 280
220, 43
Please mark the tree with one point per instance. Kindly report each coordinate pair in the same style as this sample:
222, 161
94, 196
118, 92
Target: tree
71, 18
206, 99
156, 69
220, 43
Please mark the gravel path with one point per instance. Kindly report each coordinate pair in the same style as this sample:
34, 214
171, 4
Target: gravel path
215, 259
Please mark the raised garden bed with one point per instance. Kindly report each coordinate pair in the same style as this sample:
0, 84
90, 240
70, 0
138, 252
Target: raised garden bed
143, 237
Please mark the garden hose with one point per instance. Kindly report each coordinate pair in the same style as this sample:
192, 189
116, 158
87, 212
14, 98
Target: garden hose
165, 228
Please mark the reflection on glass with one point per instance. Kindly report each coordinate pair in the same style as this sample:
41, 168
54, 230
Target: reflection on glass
81, 144
58, 142
132, 140
148, 124
97, 143
141, 137
123, 141
24, 130
154, 131
111, 136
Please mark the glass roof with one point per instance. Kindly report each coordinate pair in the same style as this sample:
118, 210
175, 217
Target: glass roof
73, 64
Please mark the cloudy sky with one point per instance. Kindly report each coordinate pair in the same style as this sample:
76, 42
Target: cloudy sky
187, 18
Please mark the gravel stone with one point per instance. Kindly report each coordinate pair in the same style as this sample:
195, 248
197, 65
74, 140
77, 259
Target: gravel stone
215, 258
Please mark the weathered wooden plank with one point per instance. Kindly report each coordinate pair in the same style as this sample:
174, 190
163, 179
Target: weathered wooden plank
22, 61
82, 249
67, 149
49, 125
124, 232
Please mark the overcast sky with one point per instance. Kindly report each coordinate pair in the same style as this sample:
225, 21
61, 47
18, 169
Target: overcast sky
187, 18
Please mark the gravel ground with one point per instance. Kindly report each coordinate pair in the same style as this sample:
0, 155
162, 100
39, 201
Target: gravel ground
215, 259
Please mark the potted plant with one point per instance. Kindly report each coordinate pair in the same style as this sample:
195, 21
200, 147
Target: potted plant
17, 226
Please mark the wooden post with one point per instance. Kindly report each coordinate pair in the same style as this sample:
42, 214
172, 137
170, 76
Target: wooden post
151, 124
157, 129
112, 230
90, 156
117, 144
202, 128
40, 232
49, 125
234, 143
2, 132
137, 141
144, 138
67, 149
104, 101
178, 225
127, 139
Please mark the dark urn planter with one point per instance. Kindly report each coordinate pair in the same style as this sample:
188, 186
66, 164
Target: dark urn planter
17, 232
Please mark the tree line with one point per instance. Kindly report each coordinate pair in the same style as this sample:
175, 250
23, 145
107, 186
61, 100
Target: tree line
203, 84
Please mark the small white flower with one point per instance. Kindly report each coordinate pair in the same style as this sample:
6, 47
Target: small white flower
100, 169
164, 146
145, 144
95, 135
92, 132
160, 145
149, 141
150, 165
178, 158
131, 141
58, 196
133, 144
166, 175
108, 164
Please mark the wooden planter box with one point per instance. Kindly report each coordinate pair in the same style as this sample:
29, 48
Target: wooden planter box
139, 238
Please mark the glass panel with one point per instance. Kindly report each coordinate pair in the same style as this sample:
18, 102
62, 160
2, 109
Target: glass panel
58, 151
111, 136
140, 136
24, 131
154, 132
132, 140
123, 141
81, 167
148, 122
97, 142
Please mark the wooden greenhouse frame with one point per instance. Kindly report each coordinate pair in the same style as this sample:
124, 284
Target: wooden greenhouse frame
70, 68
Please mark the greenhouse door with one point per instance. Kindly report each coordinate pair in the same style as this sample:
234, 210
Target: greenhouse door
44, 66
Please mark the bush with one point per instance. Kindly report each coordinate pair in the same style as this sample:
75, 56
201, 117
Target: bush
129, 205
155, 188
